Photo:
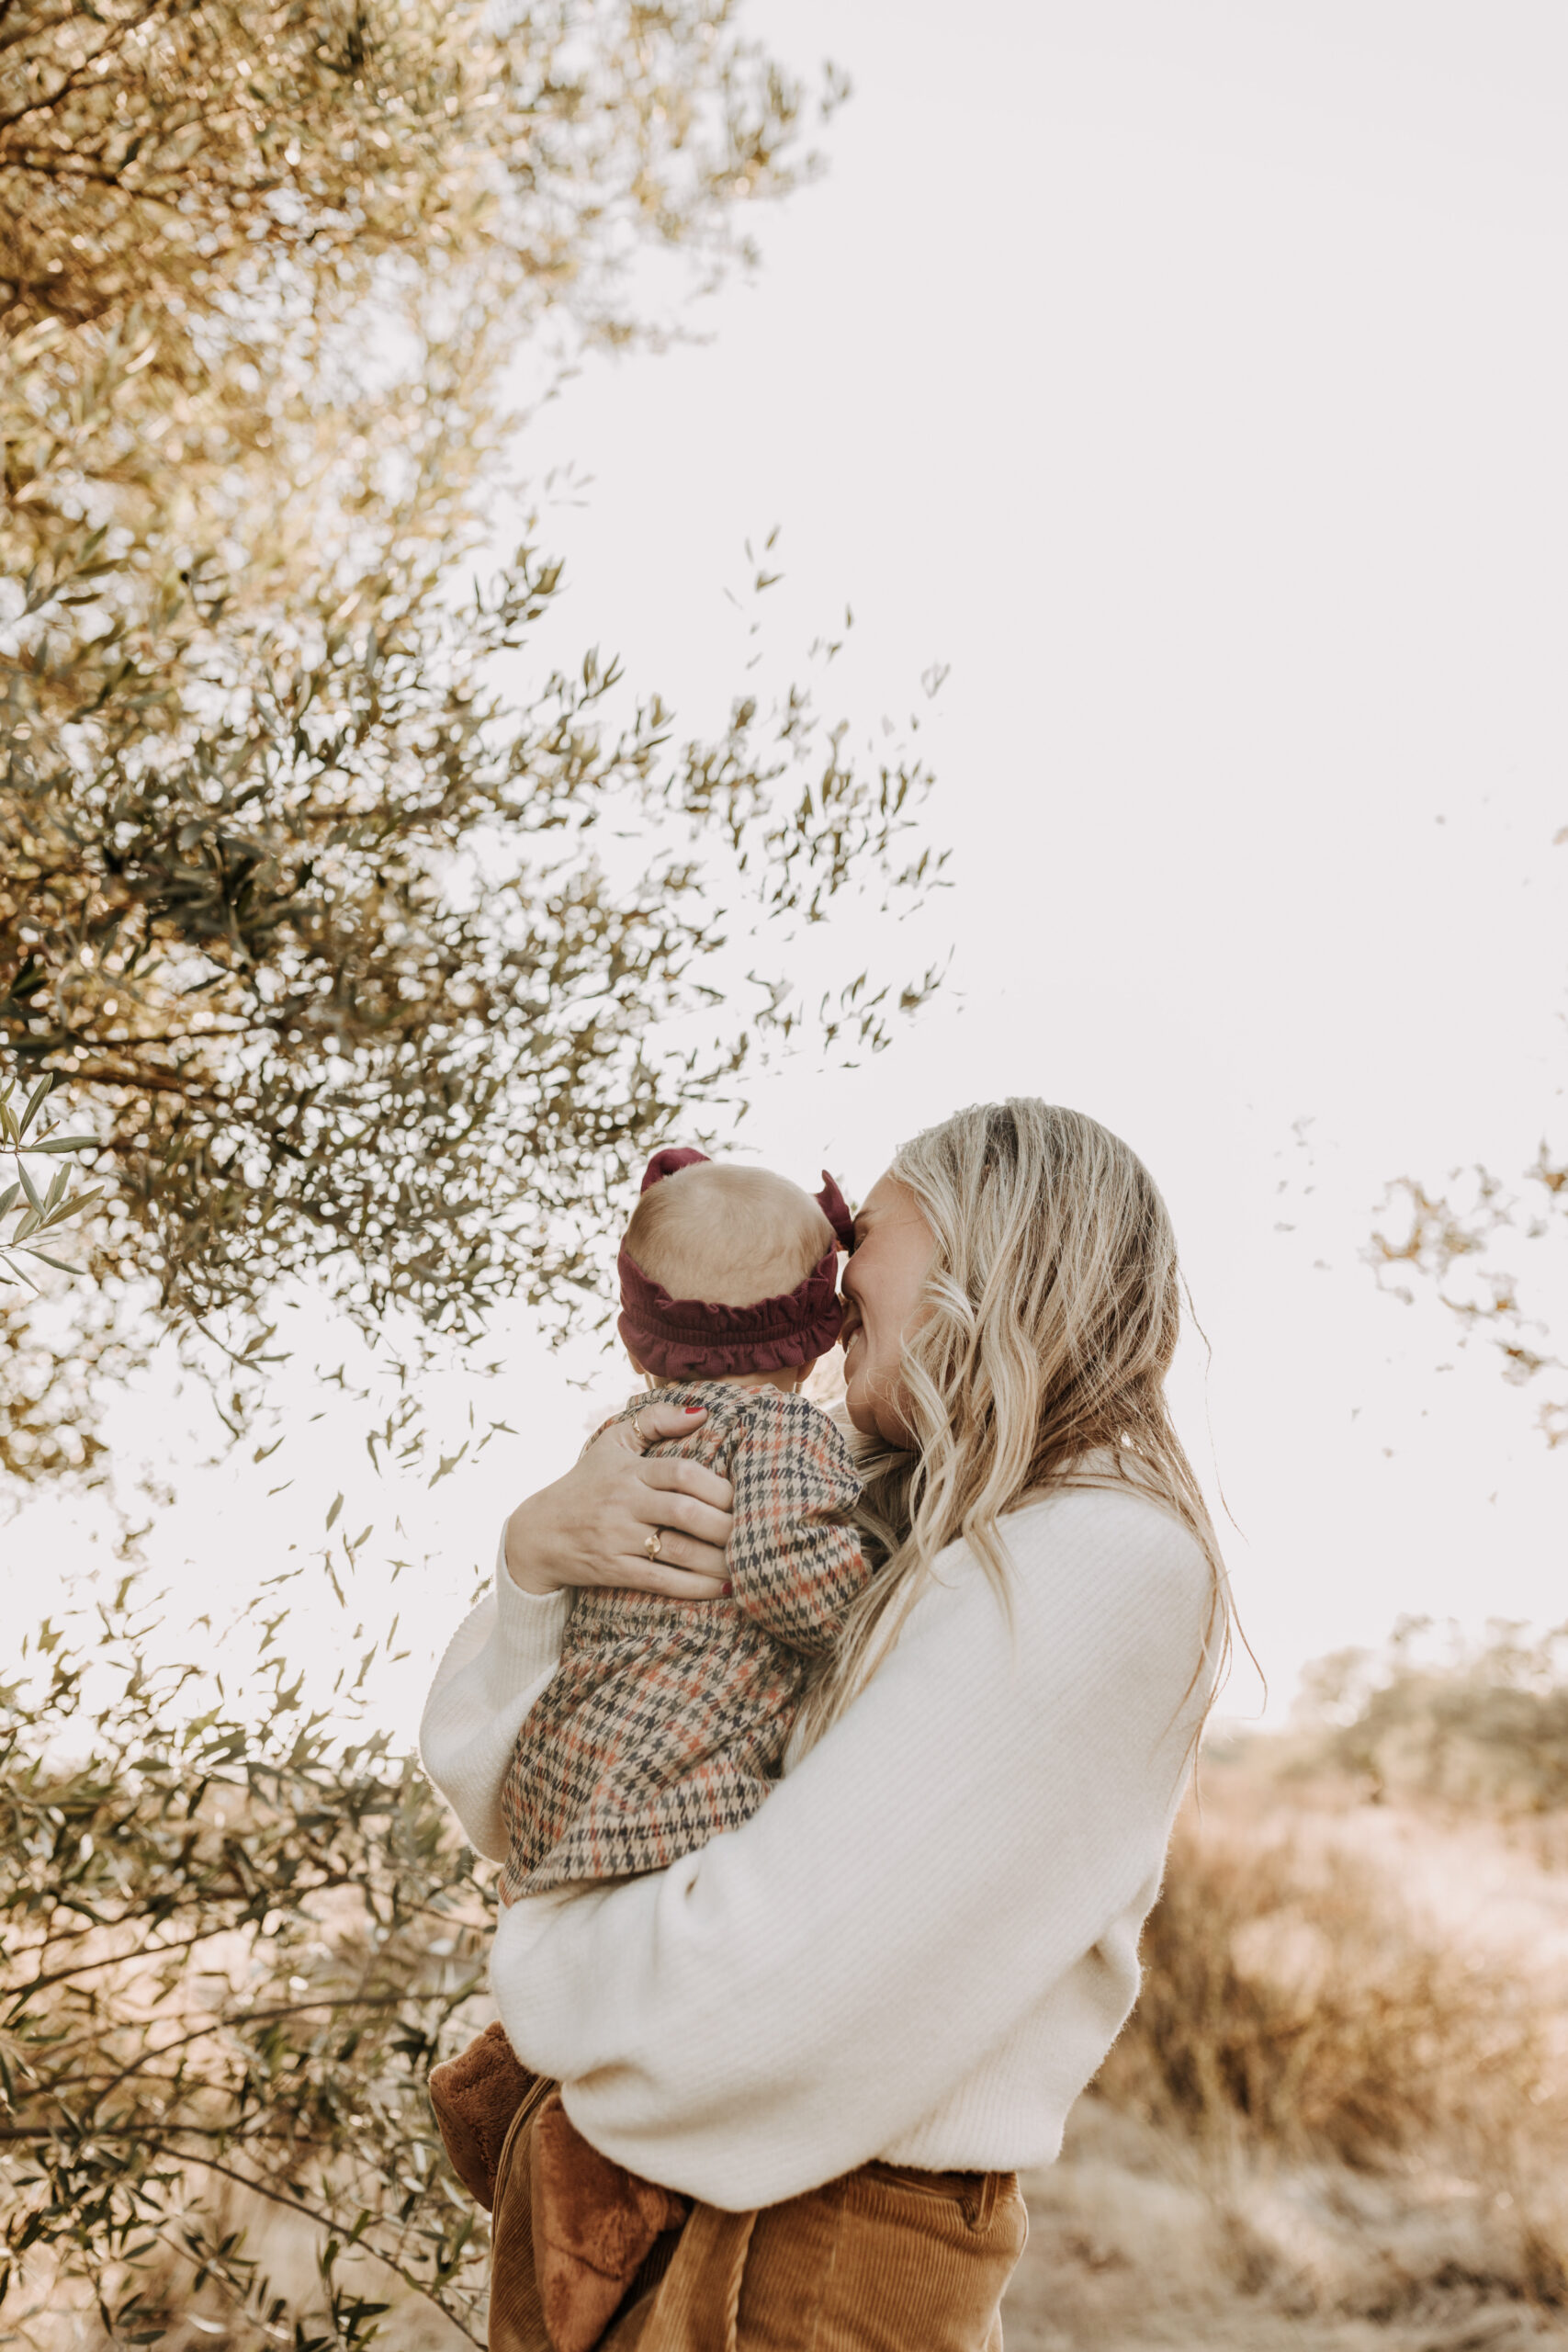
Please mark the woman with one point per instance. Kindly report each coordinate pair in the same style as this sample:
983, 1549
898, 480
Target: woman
843, 2027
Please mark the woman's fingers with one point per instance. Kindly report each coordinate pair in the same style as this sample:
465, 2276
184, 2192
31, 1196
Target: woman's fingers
673, 1473
686, 1552
699, 1520
657, 1421
663, 1576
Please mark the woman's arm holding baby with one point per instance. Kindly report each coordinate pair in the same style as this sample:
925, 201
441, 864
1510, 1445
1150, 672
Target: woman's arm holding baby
495, 1666
589, 1528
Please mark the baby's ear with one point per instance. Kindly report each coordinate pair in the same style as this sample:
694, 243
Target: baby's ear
642, 1368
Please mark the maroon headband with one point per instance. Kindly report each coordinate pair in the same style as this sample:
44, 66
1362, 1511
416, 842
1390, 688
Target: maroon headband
691, 1339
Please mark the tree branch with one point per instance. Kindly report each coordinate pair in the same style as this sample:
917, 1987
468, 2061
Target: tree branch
220, 2023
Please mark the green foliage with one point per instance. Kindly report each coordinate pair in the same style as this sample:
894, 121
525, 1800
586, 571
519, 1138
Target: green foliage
39, 1203
231, 1950
340, 970
363, 974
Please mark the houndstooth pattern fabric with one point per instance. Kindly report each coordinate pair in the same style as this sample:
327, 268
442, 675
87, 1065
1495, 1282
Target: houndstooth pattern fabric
666, 1719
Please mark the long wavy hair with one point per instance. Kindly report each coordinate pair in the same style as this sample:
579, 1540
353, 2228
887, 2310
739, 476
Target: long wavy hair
1036, 1360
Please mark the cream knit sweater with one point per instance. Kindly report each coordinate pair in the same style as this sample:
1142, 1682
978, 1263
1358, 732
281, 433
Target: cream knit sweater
923, 1945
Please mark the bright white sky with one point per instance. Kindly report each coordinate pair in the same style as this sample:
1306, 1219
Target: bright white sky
1190, 380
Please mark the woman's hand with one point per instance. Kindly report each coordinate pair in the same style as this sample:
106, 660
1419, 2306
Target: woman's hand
593, 1526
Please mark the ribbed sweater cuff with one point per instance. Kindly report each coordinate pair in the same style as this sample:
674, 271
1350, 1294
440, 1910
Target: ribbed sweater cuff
529, 1626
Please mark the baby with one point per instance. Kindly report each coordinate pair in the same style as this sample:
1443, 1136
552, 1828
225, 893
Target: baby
666, 1721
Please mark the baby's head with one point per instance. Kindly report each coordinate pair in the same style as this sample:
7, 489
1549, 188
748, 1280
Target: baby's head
727, 1269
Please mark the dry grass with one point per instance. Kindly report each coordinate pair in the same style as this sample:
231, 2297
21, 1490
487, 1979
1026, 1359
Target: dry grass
1294, 1996
1339, 2118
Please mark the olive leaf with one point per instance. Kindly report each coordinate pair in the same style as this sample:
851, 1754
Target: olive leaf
24, 1212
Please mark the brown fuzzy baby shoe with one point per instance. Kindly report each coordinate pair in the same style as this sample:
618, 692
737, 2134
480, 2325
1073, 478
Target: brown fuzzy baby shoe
595, 2222
475, 2096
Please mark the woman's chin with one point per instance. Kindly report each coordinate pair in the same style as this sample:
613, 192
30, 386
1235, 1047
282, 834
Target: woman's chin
858, 1407
856, 1402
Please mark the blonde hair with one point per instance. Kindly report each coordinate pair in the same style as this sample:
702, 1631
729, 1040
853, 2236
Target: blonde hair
1037, 1361
728, 1236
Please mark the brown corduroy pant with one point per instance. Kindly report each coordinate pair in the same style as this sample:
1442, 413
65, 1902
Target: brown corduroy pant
881, 2260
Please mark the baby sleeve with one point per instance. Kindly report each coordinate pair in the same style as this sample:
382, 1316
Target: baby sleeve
796, 1560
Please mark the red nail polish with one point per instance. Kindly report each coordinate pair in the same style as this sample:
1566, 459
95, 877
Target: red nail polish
694, 1409
729, 1589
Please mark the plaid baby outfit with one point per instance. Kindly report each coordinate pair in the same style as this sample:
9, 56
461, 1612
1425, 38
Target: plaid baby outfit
666, 1719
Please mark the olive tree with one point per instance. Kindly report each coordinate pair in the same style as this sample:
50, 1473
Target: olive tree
309, 916
233, 1944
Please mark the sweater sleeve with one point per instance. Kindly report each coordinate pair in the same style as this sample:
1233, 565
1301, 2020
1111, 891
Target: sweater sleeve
496, 1665
795, 1998
795, 1560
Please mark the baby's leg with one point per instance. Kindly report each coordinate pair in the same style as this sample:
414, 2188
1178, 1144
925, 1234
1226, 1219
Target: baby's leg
475, 2096
595, 2224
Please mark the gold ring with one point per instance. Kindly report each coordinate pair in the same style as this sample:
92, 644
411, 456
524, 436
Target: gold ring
654, 1546
640, 1433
